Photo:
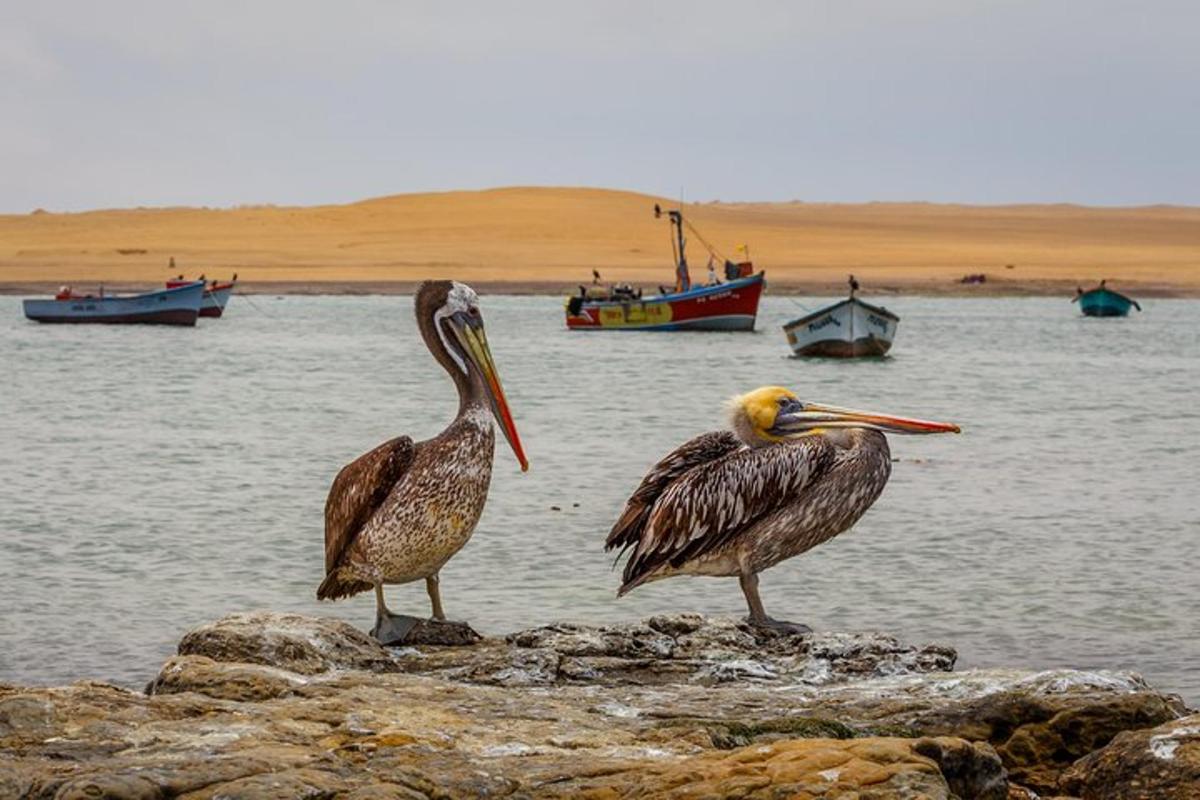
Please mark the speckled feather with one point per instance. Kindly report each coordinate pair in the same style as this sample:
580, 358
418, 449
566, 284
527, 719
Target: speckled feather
746, 509
431, 511
358, 491
703, 449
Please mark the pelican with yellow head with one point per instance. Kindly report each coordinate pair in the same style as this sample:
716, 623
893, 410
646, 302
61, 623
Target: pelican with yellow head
786, 476
398, 513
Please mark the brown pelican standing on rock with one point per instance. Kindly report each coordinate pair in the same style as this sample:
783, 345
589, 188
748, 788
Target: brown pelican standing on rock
789, 476
398, 513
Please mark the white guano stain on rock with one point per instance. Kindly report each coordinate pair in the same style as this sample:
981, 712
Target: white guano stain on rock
1164, 745
507, 749
620, 710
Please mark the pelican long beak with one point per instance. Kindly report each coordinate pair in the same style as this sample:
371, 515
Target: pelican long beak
811, 416
470, 333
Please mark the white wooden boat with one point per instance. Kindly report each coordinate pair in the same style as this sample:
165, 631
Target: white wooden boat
847, 329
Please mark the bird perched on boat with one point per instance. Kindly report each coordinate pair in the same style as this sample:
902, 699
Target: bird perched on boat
398, 513
787, 476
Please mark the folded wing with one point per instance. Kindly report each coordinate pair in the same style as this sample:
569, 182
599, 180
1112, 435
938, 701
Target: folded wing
704, 449
357, 493
708, 505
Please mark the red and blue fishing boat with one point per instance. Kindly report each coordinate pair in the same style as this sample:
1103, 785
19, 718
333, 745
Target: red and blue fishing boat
216, 294
1104, 302
176, 306
729, 305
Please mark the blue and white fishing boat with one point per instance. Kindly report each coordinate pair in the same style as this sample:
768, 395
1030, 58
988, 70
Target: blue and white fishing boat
176, 306
1104, 302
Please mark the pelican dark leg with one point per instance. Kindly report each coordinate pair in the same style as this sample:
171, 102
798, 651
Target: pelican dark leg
435, 596
381, 609
390, 628
758, 615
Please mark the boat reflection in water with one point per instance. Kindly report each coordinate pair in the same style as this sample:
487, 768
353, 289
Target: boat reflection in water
731, 305
849, 328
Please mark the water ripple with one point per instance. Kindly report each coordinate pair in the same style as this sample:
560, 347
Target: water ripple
153, 479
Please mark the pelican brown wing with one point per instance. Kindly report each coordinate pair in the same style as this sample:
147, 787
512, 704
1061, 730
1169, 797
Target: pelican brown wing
709, 505
357, 492
703, 449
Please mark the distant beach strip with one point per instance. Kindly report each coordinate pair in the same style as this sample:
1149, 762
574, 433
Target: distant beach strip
548, 240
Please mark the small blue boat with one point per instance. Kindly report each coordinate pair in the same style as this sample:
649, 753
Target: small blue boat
176, 306
1104, 302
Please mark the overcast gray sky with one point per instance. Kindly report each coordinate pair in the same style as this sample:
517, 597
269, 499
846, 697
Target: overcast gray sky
122, 103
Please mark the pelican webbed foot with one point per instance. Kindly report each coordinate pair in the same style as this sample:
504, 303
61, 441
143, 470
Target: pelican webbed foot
758, 615
780, 626
400, 629
394, 628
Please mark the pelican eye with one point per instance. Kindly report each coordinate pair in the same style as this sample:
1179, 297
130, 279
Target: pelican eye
790, 405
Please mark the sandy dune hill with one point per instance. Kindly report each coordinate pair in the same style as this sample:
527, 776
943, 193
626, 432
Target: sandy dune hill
549, 239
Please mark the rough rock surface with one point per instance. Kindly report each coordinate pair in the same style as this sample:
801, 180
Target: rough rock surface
293, 642
271, 705
828, 768
433, 632
673, 649
1160, 763
1040, 733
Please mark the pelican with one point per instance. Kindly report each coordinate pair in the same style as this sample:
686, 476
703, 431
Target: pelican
398, 513
787, 477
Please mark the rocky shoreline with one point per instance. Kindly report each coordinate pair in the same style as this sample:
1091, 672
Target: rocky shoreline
266, 705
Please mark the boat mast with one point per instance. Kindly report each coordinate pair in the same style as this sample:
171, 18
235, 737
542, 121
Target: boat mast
854, 306
677, 223
683, 280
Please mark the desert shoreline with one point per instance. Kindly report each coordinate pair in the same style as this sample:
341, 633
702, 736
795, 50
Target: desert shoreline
895, 288
547, 241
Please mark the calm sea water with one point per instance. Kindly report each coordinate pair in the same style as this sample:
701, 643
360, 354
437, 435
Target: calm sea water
154, 479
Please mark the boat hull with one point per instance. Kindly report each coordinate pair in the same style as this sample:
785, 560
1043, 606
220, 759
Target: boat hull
847, 329
177, 306
731, 306
215, 297
214, 301
1105, 303
865, 347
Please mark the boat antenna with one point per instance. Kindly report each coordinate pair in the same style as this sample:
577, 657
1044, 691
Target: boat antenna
707, 244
